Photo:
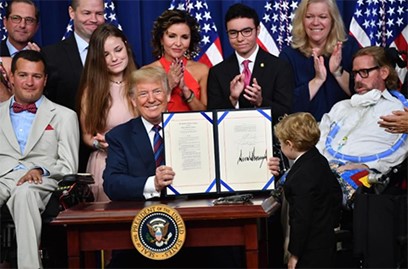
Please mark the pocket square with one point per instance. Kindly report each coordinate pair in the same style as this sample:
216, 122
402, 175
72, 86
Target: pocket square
49, 127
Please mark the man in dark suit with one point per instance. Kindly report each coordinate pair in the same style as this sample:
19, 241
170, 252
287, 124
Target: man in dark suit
21, 22
66, 59
39, 144
270, 83
131, 172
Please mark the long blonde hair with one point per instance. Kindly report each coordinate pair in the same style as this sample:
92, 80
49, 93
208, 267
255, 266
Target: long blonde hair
337, 32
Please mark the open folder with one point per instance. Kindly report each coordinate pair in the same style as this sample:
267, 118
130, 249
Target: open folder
219, 151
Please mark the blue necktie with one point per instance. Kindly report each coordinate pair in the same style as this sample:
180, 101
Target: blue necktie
158, 146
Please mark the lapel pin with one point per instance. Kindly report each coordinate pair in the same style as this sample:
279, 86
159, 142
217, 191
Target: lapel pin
262, 64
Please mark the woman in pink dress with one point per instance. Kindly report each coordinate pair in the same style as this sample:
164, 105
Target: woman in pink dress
103, 97
175, 41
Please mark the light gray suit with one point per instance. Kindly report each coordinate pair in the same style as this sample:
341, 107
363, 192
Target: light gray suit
52, 144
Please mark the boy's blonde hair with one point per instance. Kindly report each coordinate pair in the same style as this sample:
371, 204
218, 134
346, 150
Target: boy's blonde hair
301, 128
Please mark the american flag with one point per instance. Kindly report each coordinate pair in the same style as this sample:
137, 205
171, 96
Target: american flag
382, 23
210, 45
110, 17
276, 25
3, 32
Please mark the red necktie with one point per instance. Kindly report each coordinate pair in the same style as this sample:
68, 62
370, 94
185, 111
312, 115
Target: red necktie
158, 146
17, 108
246, 72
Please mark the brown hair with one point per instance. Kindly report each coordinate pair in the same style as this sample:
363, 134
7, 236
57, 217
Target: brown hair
301, 128
167, 19
380, 58
95, 83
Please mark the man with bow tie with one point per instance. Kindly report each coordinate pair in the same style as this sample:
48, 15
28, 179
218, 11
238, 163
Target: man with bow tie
39, 144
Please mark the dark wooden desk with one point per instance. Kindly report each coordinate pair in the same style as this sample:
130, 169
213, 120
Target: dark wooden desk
95, 226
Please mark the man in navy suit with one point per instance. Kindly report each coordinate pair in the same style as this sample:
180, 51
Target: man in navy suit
131, 172
271, 82
66, 59
21, 22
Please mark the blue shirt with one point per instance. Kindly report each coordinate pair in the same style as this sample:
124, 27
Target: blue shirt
22, 123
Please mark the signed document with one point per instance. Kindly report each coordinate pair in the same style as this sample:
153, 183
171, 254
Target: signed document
189, 150
218, 151
245, 145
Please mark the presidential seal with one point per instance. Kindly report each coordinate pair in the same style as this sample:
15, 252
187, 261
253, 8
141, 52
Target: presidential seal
158, 232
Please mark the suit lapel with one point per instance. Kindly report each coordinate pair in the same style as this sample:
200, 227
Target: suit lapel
71, 48
7, 127
259, 65
142, 142
45, 114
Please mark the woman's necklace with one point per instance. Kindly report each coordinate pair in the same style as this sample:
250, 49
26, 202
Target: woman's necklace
117, 82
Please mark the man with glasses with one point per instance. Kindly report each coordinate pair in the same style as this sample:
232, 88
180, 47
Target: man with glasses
250, 77
21, 22
350, 133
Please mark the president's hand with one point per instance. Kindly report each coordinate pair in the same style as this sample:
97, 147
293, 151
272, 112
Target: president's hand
164, 177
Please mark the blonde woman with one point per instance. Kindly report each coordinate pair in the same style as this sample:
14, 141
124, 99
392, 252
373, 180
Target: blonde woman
320, 55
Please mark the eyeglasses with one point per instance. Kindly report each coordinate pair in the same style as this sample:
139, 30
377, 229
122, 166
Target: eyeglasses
364, 73
17, 19
244, 32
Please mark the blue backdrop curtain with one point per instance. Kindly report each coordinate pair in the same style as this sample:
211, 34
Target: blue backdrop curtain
137, 16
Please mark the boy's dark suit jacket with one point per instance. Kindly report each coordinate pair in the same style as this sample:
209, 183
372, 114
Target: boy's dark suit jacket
314, 198
273, 75
130, 161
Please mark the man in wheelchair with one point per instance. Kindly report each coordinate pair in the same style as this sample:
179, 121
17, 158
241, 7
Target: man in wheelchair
40, 141
351, 138
362, 153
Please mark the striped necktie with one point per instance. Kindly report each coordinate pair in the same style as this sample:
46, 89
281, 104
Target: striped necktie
158, 146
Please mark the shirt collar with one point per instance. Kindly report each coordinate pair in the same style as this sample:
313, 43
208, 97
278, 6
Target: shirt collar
11, 48
37, 103
81, 43
251, 58
148, 125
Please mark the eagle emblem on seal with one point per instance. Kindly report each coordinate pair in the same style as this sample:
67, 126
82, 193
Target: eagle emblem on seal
158, 231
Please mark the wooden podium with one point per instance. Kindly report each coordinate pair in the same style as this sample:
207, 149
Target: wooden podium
95, 226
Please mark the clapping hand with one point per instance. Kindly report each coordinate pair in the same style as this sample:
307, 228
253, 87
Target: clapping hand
176, 73
236, 87
253, 93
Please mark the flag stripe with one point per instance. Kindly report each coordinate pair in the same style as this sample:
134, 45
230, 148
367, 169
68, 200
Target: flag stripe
276, 25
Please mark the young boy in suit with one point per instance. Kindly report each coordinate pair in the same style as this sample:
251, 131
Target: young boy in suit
312, 192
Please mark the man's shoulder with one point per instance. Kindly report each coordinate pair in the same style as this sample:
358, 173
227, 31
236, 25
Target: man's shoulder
4, 51
59, 109
58, 46
125, 128
224, 62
